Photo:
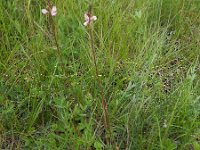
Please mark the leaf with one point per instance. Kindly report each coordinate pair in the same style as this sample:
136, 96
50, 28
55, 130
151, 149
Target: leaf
196, 145
98, 145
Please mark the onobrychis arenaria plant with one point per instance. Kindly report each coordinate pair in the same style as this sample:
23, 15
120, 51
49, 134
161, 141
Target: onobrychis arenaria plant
89, 19
52, 10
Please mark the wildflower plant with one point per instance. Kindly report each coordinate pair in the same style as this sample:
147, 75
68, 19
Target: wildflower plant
89, 19
51, 11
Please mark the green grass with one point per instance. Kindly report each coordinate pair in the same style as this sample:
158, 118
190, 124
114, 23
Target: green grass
148, 56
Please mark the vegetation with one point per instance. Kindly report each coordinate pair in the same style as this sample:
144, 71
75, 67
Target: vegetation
146, 70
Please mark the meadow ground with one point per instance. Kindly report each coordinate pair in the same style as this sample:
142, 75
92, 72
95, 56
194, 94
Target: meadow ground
147, 56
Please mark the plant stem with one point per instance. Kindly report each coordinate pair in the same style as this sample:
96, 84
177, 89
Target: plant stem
54, 32
103, 102
57, 45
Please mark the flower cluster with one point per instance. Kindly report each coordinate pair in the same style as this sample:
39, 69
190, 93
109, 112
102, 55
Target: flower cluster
52, 10
89, 19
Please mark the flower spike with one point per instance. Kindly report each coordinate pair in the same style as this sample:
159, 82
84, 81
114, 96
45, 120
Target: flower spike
89, 19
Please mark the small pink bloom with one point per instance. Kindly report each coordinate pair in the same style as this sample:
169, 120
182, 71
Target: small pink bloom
53, 11
89, 19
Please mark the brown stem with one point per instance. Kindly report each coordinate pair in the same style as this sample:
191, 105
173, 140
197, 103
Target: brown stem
103, 102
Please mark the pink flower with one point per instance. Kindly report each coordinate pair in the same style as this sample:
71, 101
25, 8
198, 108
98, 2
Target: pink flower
53, 11
89, 19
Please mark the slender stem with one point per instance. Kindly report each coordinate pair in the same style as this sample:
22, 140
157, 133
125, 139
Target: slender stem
54, 32
57, 44
103, 102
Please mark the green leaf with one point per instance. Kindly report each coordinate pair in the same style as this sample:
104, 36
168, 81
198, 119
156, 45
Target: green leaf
98, 145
